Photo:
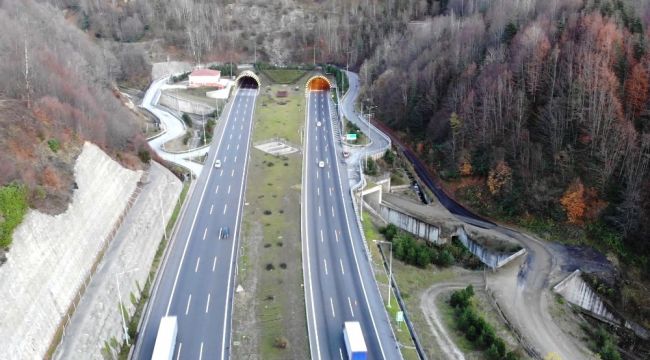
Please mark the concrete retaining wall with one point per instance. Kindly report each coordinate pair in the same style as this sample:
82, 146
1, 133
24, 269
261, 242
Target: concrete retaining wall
576, 291
491, 259
128, 260
51, 256
409, 223
184, 105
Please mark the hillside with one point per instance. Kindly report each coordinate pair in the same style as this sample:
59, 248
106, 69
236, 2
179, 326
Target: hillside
57, 91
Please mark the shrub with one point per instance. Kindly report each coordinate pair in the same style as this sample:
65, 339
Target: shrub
54, 144
144, 155
281, 342
13, 206
187, 119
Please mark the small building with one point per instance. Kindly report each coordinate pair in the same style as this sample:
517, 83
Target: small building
205, 78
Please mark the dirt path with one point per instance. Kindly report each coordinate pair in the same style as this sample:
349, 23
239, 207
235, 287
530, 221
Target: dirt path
430, 311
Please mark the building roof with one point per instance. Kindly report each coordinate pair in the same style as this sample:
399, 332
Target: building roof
205, 72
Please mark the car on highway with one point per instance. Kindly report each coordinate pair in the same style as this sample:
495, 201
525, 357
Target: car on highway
217, 163
321, 164
224, 233
318, 123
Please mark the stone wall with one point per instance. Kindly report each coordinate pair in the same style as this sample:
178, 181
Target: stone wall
127, 260
51, 256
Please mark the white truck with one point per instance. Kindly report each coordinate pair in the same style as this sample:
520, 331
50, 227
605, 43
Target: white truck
354, 342
166, 339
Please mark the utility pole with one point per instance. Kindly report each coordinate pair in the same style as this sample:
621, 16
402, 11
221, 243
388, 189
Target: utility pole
203, 124
390, 268
122, 308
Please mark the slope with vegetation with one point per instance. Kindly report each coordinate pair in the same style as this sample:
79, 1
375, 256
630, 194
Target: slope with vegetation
535, 112
58, 90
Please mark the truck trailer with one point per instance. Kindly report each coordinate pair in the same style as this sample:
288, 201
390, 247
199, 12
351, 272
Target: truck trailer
166, 339
354, 342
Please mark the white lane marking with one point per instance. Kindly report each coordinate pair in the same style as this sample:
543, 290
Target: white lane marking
225, 158
350, 303
332, 306
214, 263
242, 127
319, 210
205, 232
221, 172
235, 159
228, 189
325, 262
328, 174
187, 308
178, 354
228, 147
341, 353
316, 174
207, 305
230, 137
232, 173
322, 239
341, 262
216, 191
330, 191
309, 296
225, 206
234, 242
239, 136
201, 351
196, 214
196, 268
211, 207
318, 191
332, 210
237, 146
336, 234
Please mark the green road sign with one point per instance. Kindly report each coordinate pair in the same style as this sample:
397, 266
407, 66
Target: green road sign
351, 136
399, 317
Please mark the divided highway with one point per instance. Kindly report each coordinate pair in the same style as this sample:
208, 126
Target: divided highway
198, 277
339, 285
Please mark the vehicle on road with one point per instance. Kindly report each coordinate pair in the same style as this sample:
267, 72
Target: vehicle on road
346, 154
217, 163
318, 123
321, 164
166, 339
355, 345
224, 233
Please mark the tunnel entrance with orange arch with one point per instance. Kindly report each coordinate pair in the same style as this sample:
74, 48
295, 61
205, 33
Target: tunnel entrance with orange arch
247, 79
318, 83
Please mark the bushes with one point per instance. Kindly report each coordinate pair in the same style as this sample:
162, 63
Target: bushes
413, 252
13, 206
476, 329
187, 119
54, 144
606, 347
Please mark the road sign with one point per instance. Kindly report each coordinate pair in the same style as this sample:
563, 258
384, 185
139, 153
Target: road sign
399, 317
351, 136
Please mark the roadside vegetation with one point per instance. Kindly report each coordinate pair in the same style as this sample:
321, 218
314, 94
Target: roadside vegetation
478, 331
283, 75
13, 207
341, 77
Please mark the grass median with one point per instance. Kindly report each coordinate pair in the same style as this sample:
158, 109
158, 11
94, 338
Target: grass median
269, 317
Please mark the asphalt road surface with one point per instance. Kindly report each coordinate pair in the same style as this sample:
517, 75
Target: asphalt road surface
197, 280
339, 285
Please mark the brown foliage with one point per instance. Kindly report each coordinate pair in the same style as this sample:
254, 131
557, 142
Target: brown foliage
499, 178
50, 178
573, 202
636, 89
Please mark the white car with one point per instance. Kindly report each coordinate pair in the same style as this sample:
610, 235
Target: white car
321, 164
217, 163
318, 123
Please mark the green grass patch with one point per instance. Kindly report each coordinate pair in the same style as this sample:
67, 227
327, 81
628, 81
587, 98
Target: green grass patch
279, 117
13, 207
284, 76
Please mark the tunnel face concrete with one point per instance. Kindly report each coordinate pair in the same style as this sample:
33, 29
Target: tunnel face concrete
317, 83
247, 80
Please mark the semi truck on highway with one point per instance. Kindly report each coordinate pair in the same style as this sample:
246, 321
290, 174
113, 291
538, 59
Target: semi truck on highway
354, 342
166, 339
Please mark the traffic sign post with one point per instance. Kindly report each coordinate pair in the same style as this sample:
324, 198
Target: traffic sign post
399, 317
351, 136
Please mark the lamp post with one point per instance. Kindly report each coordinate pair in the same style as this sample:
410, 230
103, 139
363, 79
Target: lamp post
119, 295
390, 267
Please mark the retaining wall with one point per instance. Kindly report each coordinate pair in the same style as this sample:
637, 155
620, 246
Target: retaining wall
51, 256
411, 224
492, 259
184, 105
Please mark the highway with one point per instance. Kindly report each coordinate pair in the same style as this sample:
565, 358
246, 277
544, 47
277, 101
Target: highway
198, 276
339, 285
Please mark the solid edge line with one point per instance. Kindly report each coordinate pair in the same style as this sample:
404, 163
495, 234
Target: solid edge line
354, 253
309, 296
231, 278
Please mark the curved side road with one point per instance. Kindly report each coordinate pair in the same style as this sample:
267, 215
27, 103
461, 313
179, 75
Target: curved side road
174, 128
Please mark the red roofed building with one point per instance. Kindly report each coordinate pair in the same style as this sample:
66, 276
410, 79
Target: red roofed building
205, 77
